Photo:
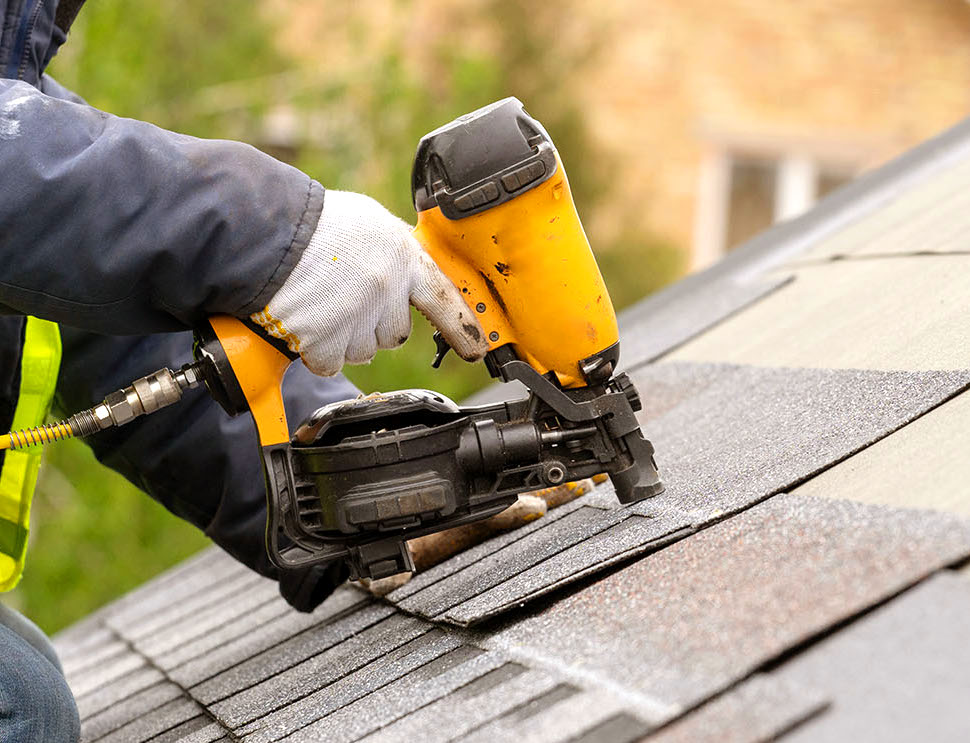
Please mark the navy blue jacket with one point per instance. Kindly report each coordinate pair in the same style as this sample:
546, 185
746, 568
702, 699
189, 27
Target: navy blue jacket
128, 235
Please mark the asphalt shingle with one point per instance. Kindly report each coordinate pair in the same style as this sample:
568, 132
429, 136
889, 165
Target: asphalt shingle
758, 709
659, 324
901, 673
237, 647
302, 651
281, 681
684, 623
901, 312
135, 707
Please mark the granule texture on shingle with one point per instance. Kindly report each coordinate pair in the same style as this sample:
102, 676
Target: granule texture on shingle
634, 535
147, 727
900, 673
166, 595
759, 708
118, 690
98, 657
284, 667
228, 592
140, 705
326, 693
487, 696
208, 619
242, 641
471, 556
726, 437
423, 681
95, 678
688, 621
558, 716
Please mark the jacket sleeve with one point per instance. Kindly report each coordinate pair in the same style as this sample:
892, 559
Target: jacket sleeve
116, 226
192, 457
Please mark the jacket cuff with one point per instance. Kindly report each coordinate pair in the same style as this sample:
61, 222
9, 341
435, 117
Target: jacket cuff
301, 237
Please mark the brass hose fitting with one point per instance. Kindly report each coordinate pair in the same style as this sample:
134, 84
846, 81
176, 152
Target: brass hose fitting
145, 395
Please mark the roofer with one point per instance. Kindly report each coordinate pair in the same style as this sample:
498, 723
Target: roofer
118, 230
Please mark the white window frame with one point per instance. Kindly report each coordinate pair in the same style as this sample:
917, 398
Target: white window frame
797, 176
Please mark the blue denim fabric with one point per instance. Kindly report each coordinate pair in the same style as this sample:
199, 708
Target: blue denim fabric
36, 704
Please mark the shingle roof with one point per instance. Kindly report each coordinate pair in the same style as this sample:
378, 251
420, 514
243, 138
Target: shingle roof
806, 398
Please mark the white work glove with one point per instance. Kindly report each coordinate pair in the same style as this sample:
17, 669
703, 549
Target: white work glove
349, 294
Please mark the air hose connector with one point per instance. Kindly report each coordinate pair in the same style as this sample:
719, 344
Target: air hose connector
145, 395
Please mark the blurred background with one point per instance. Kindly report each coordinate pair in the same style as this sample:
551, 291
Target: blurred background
685, 127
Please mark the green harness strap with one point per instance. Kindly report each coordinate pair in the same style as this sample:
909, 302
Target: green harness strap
39, 365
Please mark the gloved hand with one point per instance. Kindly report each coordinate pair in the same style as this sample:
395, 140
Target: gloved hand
349, 294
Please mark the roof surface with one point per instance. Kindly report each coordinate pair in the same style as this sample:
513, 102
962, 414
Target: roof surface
800, 579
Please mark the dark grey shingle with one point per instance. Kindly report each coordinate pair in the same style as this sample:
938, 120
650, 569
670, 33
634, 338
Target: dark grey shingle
581, 524
321, 664
728, 435
224, 593
486, 697
633, 535
138, 706
259, 619
235, 648
567, 714
409, 692
340, 686
110, 671
147, 727
471, 556
208, 619
118, 690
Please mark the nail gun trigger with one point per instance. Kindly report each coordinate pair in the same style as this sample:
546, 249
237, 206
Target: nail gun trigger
441, 349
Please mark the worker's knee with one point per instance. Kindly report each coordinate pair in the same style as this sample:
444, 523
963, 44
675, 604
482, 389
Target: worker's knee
36, 704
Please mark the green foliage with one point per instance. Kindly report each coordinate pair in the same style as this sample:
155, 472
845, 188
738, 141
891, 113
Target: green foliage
211, 69
658, 263
149, 60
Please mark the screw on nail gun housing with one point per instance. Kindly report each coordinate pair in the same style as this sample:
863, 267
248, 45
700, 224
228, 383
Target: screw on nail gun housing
359, 478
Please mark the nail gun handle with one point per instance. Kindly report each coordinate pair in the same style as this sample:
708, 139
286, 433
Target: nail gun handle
243, 370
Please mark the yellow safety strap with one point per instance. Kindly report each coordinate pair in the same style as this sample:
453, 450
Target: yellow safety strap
39, 365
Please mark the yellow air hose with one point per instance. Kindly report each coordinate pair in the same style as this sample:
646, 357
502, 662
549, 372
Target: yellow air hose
38, 435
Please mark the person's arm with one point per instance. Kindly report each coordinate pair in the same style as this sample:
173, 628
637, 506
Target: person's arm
194, 459
117, 226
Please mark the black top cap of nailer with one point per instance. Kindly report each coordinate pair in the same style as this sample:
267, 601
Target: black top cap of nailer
481, 160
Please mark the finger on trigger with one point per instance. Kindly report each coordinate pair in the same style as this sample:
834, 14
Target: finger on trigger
440, 301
